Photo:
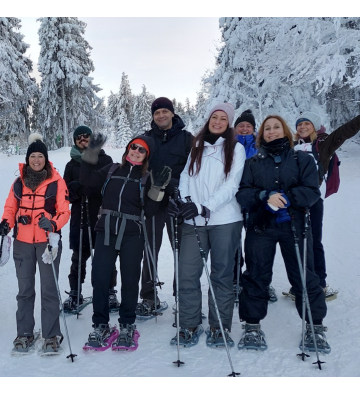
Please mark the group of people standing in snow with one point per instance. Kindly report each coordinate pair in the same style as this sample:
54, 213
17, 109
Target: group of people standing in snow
213, 185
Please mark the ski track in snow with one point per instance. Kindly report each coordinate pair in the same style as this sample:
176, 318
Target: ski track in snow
155, 356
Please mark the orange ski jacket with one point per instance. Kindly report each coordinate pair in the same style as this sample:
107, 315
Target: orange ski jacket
32, 204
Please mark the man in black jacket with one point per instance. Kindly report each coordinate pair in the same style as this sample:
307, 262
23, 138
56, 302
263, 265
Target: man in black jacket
173, 145
78, 194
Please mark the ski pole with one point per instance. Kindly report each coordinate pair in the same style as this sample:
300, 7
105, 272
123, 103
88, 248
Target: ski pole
71, 355
203, 257
238, 275
176, 262
155, 263
303, 354
149, 257
89, 227
80, 255
318, 362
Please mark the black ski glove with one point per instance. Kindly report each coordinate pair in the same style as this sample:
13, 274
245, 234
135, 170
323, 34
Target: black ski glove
91, 153
159, 183
189, 210
173, 208
46, 224
4, 228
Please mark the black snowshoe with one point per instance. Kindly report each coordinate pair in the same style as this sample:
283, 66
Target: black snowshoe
70, 304
253, 338
320, 338
145, 310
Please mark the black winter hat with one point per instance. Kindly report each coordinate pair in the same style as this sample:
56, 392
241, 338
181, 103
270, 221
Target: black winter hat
246, 116
81, 130
162, 102
36, 144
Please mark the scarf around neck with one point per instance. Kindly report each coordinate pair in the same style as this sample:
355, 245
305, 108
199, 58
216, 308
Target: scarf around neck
32, 178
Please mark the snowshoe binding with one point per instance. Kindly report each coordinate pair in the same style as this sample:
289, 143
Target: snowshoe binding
272, 294
320, 338
330, 294
127, 339
113, 301
188, 337
145, 310
25, 345
214, 338
70, 304
290, 294
101, 338
51, 346
253, 338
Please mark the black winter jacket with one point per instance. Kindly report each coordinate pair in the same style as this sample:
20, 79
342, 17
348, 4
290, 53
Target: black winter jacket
172, 149
120, 195
295, 175
76, 191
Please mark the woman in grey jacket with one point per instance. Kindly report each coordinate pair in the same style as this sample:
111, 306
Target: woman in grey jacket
210, 179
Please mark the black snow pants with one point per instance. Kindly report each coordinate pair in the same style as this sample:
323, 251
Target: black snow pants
131, 253
260, 251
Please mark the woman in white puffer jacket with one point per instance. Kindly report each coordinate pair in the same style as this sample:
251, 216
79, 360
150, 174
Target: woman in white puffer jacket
211, 179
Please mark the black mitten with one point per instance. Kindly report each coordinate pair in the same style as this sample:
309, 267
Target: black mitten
91, 153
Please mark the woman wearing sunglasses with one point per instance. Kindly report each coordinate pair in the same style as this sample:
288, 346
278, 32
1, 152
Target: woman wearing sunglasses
120, 232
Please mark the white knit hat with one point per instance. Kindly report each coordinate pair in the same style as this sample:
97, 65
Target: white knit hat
228, 108
312, 117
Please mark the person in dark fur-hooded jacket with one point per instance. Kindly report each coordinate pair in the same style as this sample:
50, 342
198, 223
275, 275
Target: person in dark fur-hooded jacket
127, 191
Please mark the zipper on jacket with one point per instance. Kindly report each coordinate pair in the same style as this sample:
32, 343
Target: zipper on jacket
121, 191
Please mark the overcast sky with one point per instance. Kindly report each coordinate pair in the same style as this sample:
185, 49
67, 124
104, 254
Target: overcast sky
168, 55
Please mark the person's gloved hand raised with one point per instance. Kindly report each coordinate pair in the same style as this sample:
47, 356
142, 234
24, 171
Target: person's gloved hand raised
91, 153
158, 183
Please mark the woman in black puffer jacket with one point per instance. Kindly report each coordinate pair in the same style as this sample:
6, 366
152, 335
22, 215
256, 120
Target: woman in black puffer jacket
276, 188
120, 232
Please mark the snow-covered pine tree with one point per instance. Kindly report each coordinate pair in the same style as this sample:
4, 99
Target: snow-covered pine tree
125, 100
18, 89
68, 94
142, 111
123, 134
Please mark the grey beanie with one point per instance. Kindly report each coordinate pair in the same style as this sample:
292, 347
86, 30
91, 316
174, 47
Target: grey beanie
310, 116
228, 108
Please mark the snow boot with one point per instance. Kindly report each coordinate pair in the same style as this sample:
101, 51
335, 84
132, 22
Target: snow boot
113, 301
25, 344
188, 337
101, 338
127, 339
272, 294
146, 309
52, 346
253, 338
320, 338
70, 304
214, 338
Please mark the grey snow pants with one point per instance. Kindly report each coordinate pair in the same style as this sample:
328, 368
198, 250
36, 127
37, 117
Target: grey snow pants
222, 242
25, 257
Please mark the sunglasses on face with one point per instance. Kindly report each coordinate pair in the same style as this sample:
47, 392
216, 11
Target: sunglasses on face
80, 136
134, 147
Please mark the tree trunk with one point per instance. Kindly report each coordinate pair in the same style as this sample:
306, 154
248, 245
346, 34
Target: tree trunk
66, 143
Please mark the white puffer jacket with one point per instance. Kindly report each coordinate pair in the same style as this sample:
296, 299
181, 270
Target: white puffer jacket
210, 188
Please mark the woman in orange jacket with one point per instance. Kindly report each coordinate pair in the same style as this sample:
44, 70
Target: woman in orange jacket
38, 203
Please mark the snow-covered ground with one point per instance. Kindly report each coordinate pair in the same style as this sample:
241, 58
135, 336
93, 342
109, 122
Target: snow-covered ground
155, 356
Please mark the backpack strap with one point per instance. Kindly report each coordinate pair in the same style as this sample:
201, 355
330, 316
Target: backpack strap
113, 167
188, 142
